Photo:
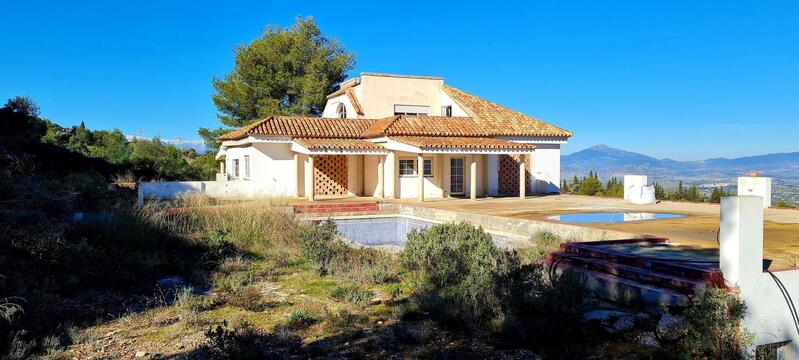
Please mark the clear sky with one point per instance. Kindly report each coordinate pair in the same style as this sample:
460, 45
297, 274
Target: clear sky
680, 79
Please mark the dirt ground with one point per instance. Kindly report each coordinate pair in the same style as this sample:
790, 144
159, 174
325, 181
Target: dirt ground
698, 229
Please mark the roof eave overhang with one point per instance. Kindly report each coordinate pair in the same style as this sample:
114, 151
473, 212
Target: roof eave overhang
395, 145
313, 151
255, 139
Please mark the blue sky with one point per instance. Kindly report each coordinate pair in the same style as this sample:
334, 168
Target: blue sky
680, 79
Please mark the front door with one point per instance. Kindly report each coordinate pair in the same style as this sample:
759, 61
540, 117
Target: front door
456, 176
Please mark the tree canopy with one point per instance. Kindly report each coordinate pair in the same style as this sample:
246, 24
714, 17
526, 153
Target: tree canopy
286, 71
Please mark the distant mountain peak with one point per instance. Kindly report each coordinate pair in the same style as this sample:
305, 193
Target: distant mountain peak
601, 147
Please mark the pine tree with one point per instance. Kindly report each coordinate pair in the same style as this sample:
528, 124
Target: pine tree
660, 194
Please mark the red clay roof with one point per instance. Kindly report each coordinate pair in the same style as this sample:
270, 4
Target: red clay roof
437, 142
299, 126
424, 126
337, 144
499, 120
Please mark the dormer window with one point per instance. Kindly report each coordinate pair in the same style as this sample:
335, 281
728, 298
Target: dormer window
341, 111
446, 111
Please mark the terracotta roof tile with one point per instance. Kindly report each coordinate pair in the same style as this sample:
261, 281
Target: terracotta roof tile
431, 142
337, 144
499, 120
424, 126
298, 126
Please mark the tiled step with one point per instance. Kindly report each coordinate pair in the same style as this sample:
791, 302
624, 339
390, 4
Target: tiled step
672, 268
642, 275
336, 208
628, 291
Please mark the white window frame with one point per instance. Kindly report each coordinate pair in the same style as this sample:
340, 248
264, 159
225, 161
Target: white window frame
416, 110
446, 110
413, 167
246, 167
341, 111
236, 172
424, 167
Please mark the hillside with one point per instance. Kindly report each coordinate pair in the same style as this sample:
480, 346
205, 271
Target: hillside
608, 161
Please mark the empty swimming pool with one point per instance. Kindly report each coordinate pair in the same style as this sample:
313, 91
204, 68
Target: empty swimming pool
610, 217
390, 230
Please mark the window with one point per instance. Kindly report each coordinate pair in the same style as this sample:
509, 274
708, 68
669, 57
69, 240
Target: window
407, 167
456, 175
341, 111
236, 168
446, 110
246, 167
428, 167
411, 110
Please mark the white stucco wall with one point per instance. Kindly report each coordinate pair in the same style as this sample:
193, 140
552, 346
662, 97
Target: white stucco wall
545, 168
174, 189
332, 105
768, 313
272, 168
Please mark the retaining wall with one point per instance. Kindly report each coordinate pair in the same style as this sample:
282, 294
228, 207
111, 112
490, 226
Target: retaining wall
511, 225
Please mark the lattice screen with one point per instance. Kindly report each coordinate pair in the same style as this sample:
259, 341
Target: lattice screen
330, 175
509, 175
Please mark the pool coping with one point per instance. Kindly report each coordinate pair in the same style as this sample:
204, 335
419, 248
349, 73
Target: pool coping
514, 239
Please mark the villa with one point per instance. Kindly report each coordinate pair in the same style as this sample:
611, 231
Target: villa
400, 137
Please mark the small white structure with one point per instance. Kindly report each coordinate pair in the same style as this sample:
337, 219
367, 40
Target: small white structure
770, 311
633, 180
637, 191
756, 185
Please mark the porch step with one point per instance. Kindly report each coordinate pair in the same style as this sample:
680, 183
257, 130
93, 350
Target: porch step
628, 291
337, 208
633, 278
639, 274
679, 269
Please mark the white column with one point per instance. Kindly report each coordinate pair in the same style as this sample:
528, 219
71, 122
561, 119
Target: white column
741, 239
522, 172
380, 175
420, 176
296, 174
309, 178
391, 175
473, 177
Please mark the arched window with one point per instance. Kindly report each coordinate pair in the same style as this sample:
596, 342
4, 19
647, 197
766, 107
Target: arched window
341, 111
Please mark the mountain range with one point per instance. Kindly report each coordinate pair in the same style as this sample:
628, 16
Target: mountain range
607, 161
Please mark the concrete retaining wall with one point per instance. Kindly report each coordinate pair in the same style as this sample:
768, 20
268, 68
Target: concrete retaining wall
173, 189
510, 225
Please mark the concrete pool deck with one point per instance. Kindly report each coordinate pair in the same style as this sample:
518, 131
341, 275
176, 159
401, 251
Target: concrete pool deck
698, 229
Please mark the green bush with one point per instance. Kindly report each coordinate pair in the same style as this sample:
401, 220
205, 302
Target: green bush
456, 271
714, 327
299, 319
352, 293
320, 246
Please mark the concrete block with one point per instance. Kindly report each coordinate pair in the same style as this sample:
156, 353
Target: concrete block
756, 185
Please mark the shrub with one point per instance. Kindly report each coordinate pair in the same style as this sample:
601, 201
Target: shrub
320, 246
298, 319
713, 327
247, 298
543, 243
244, 342
352, 293
344, 320
457, 269
548, 311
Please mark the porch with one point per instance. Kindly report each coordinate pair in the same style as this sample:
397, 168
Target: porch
408, 175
